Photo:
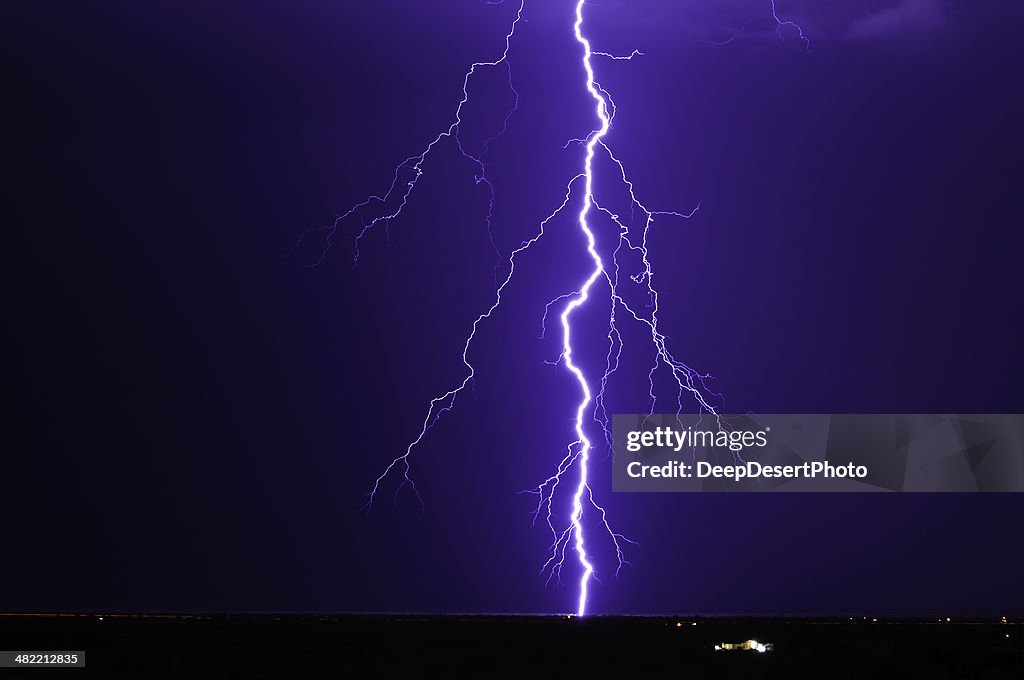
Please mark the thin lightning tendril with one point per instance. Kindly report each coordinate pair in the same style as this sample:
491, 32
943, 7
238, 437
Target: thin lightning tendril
408, 172
781, 25
592, 405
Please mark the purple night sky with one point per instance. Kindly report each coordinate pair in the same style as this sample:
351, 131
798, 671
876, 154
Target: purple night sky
196, 417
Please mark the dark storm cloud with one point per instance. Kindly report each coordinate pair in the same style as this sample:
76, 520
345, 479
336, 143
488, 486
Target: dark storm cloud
907, 16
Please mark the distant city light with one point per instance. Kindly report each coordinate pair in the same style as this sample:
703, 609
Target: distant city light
751, 645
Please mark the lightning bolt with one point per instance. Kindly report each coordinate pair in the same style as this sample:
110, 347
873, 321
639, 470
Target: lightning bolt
608, 276
582, 486
782, 25
579, 451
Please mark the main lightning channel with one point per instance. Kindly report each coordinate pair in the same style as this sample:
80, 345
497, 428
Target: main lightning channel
593, 141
